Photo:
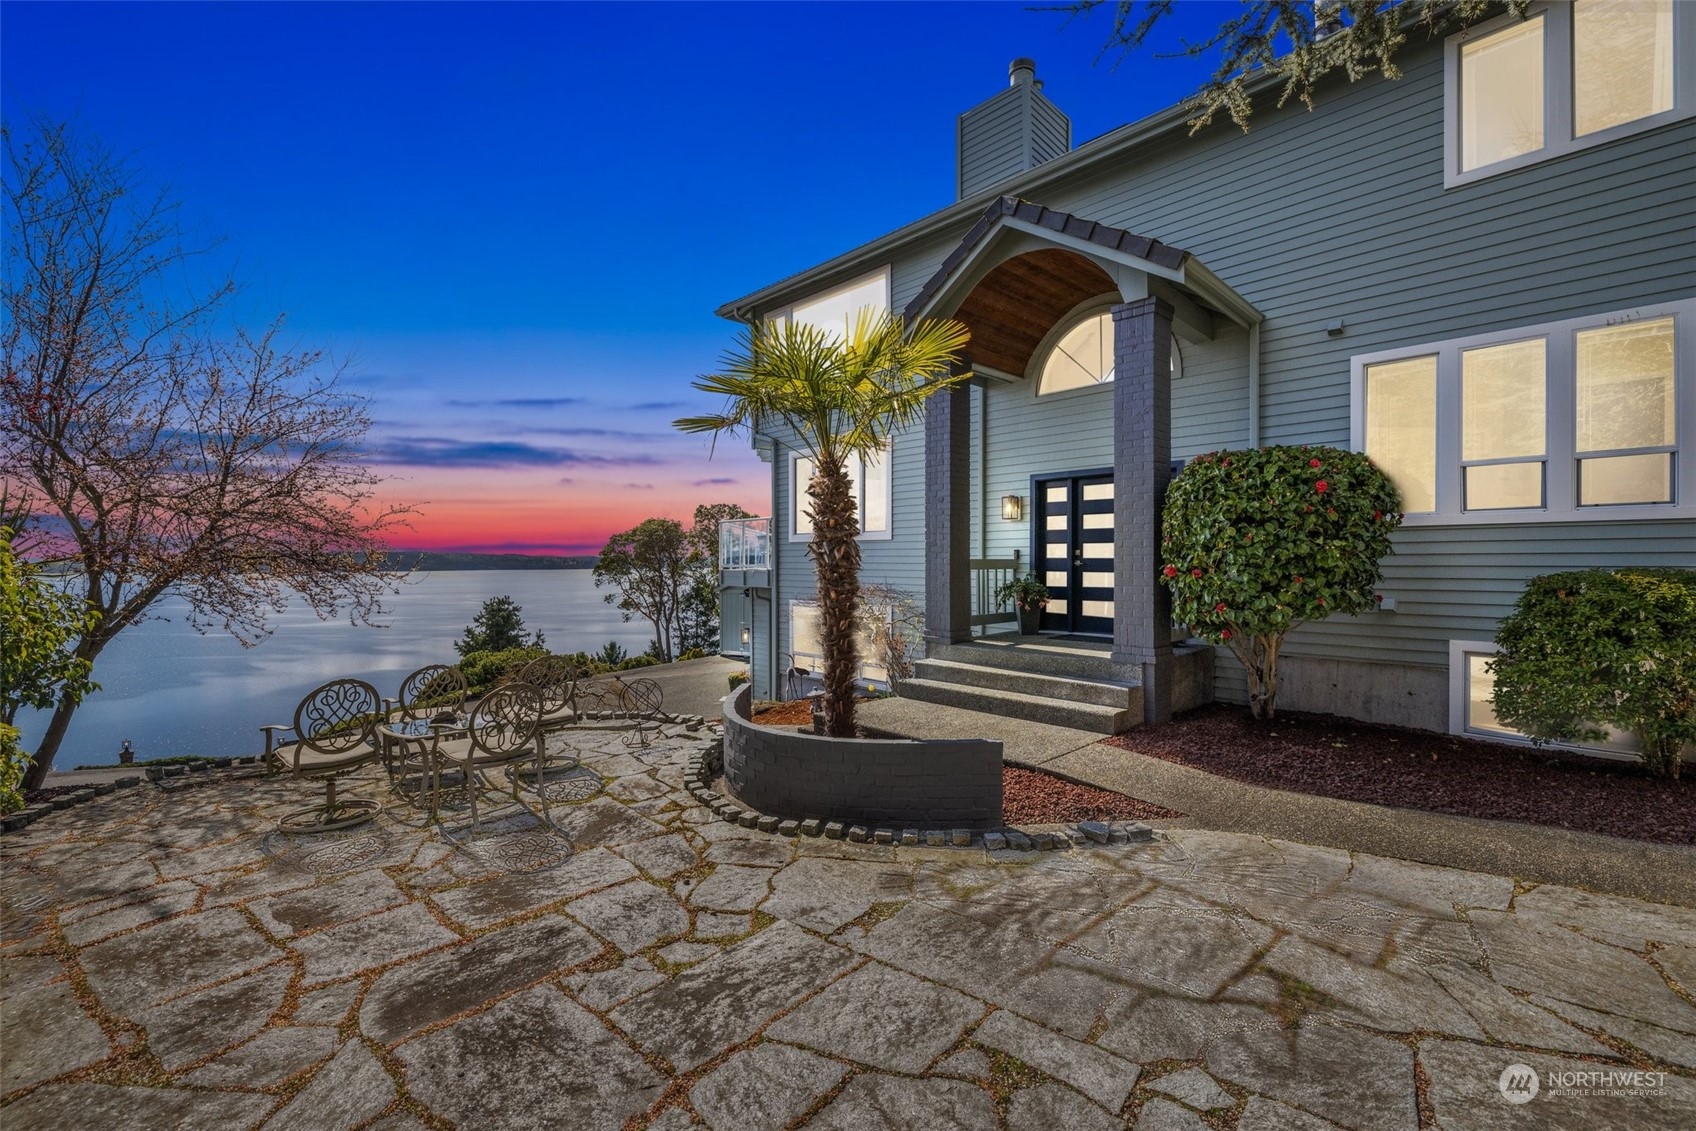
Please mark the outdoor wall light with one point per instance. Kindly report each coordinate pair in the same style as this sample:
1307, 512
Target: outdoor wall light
747, 636
1012, 507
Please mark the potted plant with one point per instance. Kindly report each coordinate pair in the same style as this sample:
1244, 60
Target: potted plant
1029, 597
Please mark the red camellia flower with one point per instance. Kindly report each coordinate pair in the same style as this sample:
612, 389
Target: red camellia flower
1220, 607
1225, 634
1321, 486
1321, 600
1195, 573
1170, 571
1313, 463
1298, 579
1377, 515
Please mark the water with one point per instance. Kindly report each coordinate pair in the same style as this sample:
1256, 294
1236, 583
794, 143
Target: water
170, 690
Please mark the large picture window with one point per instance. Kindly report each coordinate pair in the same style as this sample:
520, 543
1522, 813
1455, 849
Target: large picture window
1565, 77
1570, 419
872, 491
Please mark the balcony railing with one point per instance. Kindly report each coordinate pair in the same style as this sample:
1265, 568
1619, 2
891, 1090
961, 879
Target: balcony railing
988, 575
744, 543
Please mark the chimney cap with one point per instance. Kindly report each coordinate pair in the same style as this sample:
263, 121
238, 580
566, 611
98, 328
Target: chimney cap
1028, 66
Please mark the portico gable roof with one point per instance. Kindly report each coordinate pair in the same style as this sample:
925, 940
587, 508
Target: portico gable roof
1106, 245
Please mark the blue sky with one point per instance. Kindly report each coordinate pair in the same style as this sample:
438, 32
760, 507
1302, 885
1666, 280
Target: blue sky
516, 220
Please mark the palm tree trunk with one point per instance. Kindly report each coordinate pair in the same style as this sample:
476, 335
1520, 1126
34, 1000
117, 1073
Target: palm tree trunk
836, 562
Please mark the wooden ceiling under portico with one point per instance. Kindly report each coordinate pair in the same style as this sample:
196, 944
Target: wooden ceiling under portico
1012, 307
1017, 303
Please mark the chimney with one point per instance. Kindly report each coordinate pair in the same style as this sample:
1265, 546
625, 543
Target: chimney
1016, 130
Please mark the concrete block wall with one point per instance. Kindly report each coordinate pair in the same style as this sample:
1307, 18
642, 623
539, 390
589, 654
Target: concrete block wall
954, 783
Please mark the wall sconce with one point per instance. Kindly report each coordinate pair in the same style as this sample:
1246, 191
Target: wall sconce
747, 636
1012, 507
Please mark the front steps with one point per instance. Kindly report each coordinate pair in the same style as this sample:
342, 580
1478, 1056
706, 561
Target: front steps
1053, 682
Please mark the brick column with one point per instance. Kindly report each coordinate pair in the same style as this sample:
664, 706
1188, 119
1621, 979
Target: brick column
1142, 466
948, 518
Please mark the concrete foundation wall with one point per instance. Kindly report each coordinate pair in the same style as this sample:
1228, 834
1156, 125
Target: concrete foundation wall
1405, 695
777, 771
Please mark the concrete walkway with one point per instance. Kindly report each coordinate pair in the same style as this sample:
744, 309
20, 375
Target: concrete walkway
1663, 873
169, 960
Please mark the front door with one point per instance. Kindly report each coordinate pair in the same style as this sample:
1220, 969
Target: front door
1074, 546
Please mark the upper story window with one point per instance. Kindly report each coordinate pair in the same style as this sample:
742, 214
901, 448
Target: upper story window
871, 486
835, 310
1565, 420
1566, 77
1083, 357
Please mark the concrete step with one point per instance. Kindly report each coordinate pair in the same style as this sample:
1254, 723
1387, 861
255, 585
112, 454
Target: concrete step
1116, 695
1034, 708
1066, 659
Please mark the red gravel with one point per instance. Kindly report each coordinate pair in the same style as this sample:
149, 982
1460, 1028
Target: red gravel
1035, 798
1412, 769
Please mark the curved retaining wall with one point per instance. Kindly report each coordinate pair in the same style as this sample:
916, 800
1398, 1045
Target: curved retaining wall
924, 783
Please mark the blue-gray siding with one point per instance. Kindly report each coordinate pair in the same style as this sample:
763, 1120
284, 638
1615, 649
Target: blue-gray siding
1342, 213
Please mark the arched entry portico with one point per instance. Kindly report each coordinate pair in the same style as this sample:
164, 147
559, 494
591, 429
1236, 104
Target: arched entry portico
1016, 277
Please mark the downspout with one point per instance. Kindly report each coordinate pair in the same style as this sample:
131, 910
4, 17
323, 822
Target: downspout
1254, 384
771, 594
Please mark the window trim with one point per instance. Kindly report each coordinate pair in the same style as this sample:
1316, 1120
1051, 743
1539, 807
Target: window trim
798, 489
1561, 442
1558, 87
883, 274
1460, 698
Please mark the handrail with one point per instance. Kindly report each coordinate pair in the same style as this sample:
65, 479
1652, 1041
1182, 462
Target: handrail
988, 575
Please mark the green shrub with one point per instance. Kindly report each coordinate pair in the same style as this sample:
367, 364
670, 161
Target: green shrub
1602, 647
1257, 542
13, 763
483, 671
634, 662
694, 654
737, 679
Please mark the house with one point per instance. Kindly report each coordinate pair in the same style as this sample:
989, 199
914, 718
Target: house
1483, 274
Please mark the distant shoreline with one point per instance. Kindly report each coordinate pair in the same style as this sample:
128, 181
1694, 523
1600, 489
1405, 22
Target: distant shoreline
429, 560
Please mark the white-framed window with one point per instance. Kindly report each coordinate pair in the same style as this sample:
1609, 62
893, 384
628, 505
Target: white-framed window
808, 652
1082, 356
835, 310
1472, 710
872, 487
1587, 418
1566, 77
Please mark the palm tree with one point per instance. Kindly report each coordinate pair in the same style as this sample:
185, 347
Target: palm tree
839, 397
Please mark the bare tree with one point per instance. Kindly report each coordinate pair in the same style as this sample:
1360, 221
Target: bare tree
1296, 42
157, 455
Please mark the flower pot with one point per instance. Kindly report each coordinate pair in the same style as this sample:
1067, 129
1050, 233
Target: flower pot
1030, 620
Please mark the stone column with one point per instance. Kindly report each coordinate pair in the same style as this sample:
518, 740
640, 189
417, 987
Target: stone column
1142, 466
948, 518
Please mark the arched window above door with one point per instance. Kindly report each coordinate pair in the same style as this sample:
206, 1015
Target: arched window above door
1083, 356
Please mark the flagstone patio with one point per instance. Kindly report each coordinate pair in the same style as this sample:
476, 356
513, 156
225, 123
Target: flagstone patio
170, 960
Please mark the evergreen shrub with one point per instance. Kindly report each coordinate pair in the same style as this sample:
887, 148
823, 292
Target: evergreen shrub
1593, 648
1257, 542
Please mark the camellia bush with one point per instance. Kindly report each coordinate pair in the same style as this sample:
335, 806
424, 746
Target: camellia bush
1259, 541
1594, 648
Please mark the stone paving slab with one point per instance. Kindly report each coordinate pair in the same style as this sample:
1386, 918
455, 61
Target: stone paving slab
665, 969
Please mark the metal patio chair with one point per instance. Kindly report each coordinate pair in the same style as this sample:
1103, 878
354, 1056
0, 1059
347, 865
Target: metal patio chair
335, 730
504, 731
555, 678
433, 695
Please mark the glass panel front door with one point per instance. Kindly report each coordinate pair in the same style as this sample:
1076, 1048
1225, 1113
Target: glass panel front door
1074, 552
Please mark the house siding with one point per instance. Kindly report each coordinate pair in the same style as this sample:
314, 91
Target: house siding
1341, 213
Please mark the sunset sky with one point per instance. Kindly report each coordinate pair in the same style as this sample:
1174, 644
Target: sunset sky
515, 221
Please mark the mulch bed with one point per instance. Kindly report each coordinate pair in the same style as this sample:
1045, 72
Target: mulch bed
795, 712
1032, 797
1412, 769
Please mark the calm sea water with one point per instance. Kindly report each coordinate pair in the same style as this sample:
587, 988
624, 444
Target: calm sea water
170, 690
